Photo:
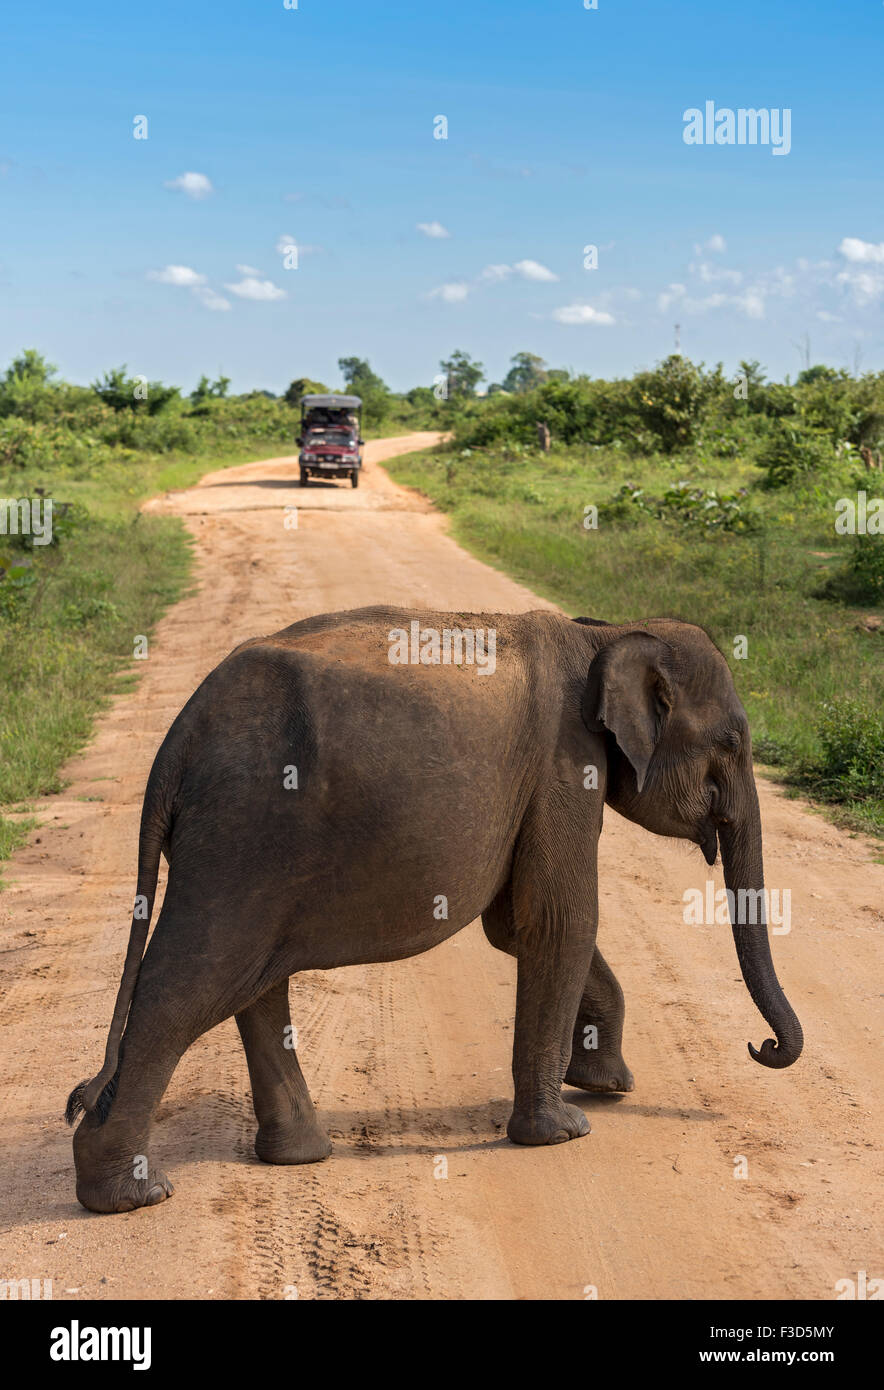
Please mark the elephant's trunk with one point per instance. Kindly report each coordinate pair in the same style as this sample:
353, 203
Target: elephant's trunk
744, 875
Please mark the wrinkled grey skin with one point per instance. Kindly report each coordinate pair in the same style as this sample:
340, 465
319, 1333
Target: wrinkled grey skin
414, 782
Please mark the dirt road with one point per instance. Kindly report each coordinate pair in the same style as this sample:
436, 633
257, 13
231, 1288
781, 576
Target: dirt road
409, 1063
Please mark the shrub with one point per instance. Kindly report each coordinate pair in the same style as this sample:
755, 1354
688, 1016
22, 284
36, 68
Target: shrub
670, 401
121, 392
866, 567
851, 765
686, 503
789, 449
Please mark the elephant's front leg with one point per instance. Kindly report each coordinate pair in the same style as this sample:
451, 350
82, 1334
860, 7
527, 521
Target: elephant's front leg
288, 1130
596, 1053
553, 961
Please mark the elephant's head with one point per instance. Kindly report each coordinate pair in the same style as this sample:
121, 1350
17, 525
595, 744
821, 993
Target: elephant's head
680, 763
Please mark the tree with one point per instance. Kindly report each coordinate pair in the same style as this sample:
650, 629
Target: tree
753, 372
31, 367
463, 374
527, 371
122, 392
303, 386
810, 375
204, 389
670, 400
26, 384
358, 375
361, 381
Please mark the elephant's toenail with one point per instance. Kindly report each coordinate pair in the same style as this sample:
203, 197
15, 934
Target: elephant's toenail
156, 1194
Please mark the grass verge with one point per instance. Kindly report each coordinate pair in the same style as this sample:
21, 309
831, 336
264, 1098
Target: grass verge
65, 636
812, 678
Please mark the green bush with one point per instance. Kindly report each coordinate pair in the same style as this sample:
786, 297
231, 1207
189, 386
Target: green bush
122, 392
686, 503
867, 566
670, 401
851, 765
789, 449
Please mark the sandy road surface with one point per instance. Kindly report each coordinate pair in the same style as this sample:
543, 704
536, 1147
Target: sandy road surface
409, 1062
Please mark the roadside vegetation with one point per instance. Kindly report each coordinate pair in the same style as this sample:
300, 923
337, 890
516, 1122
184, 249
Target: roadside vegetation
70, 610
714, 501
684, 493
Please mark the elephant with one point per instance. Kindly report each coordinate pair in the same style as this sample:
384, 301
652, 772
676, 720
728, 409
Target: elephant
322, 805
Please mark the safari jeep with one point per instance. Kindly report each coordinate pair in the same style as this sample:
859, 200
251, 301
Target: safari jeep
330, 438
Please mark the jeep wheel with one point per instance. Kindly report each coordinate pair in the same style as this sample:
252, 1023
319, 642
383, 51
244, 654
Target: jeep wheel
304, 477
354, 478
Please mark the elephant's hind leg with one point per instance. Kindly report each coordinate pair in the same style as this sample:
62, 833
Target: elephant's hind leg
596, 1053
288, 1130
112, 1142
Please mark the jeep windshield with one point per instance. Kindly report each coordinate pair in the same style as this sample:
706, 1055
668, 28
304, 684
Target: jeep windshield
343, 438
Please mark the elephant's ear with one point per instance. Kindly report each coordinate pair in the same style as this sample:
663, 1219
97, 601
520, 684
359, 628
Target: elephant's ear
629, 693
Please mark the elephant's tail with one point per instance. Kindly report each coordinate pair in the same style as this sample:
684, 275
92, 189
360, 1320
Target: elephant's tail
97, 1094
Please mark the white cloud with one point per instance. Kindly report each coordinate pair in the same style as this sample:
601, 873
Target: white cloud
458, 290
184, 278
533, 270
455, 292
866, 286
669, 296
210, 299
715, 243
828, 290
583, 313
177, 275
494, 273
247, 270
855, 250
194, 185
284, 243
529, 270
434, 230
709, 274
751, 304
252, 288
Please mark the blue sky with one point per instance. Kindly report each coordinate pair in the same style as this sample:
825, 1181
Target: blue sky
315, 124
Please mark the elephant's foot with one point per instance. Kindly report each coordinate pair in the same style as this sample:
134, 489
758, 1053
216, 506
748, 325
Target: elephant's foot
110, 1162
113, 1194
305, 1142
554, 1125
590, 1072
